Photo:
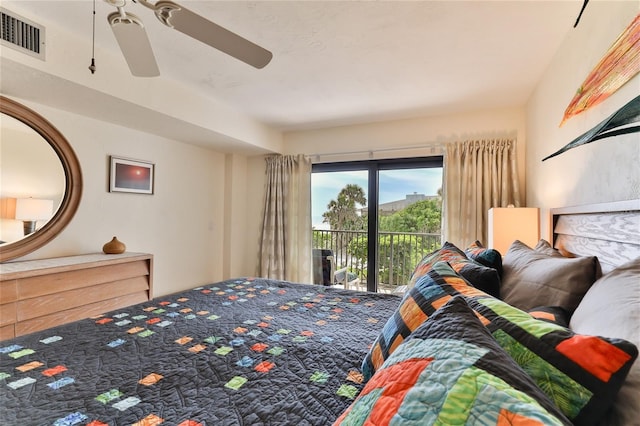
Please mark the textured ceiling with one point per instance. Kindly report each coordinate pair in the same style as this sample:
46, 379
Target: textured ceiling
345, 62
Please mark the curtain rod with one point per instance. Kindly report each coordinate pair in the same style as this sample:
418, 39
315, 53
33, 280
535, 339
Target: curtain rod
432, 146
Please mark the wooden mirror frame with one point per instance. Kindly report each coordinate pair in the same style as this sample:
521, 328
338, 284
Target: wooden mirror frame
73, 181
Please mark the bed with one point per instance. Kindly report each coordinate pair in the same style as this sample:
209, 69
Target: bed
452, 350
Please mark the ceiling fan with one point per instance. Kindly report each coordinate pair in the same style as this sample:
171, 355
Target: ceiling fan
136, 48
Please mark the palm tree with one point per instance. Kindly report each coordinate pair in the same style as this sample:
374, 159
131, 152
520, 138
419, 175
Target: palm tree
342, 214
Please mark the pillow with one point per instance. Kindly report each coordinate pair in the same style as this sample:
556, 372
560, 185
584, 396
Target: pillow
544, 246
490, 258
480, 276
534, 278
451, 371
611, 307
552, 314
431, 291
580, 373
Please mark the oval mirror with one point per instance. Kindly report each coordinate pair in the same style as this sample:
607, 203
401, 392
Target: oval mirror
56, 196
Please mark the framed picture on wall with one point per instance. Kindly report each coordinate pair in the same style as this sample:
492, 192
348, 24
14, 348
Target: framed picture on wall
128, 175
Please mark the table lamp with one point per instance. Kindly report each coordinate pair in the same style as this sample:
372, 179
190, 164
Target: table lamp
30, 210
507, 224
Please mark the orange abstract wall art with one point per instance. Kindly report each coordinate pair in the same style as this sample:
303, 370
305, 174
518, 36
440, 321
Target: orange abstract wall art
618, 66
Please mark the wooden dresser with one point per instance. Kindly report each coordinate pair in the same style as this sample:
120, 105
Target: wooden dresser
39, 294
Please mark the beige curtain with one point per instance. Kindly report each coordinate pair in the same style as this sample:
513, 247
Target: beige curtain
478, 175
285, 240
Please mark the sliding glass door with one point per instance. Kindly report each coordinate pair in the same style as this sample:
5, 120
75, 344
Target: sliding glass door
376, 218
339, 202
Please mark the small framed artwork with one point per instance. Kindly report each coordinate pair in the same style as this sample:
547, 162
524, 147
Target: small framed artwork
127, 175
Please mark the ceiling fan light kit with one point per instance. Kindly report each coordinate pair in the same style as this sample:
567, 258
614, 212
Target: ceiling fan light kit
136, 48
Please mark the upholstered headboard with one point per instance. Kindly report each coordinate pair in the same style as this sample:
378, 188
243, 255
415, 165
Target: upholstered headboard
610, 231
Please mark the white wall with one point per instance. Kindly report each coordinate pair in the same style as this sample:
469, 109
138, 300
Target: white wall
605, 170
256, 178
400, 134
181, 224
236, 207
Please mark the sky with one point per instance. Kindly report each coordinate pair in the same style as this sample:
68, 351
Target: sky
393, 185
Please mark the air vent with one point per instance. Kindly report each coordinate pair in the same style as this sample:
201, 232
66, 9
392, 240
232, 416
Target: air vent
22, 34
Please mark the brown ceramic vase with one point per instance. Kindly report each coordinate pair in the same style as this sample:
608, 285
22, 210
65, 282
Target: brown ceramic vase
114, 247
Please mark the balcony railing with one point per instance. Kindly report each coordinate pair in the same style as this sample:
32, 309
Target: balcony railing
398, 254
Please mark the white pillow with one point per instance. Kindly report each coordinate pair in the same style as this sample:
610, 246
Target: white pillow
611, 308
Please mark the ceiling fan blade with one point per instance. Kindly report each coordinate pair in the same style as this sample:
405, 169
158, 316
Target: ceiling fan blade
194, 25
134, 43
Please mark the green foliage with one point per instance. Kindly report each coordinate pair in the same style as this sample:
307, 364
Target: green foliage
397, 253
423, 216
357, 249
399, 256
321, 239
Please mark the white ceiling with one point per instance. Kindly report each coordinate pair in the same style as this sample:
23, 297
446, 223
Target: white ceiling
337, 62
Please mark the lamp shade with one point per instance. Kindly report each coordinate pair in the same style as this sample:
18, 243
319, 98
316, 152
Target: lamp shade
33, 209
7, 208
507, 224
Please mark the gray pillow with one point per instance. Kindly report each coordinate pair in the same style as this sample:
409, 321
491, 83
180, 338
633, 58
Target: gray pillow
611, 308
544, 247
540, 278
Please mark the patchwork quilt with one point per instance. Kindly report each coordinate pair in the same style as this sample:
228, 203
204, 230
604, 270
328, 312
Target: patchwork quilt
238, 352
